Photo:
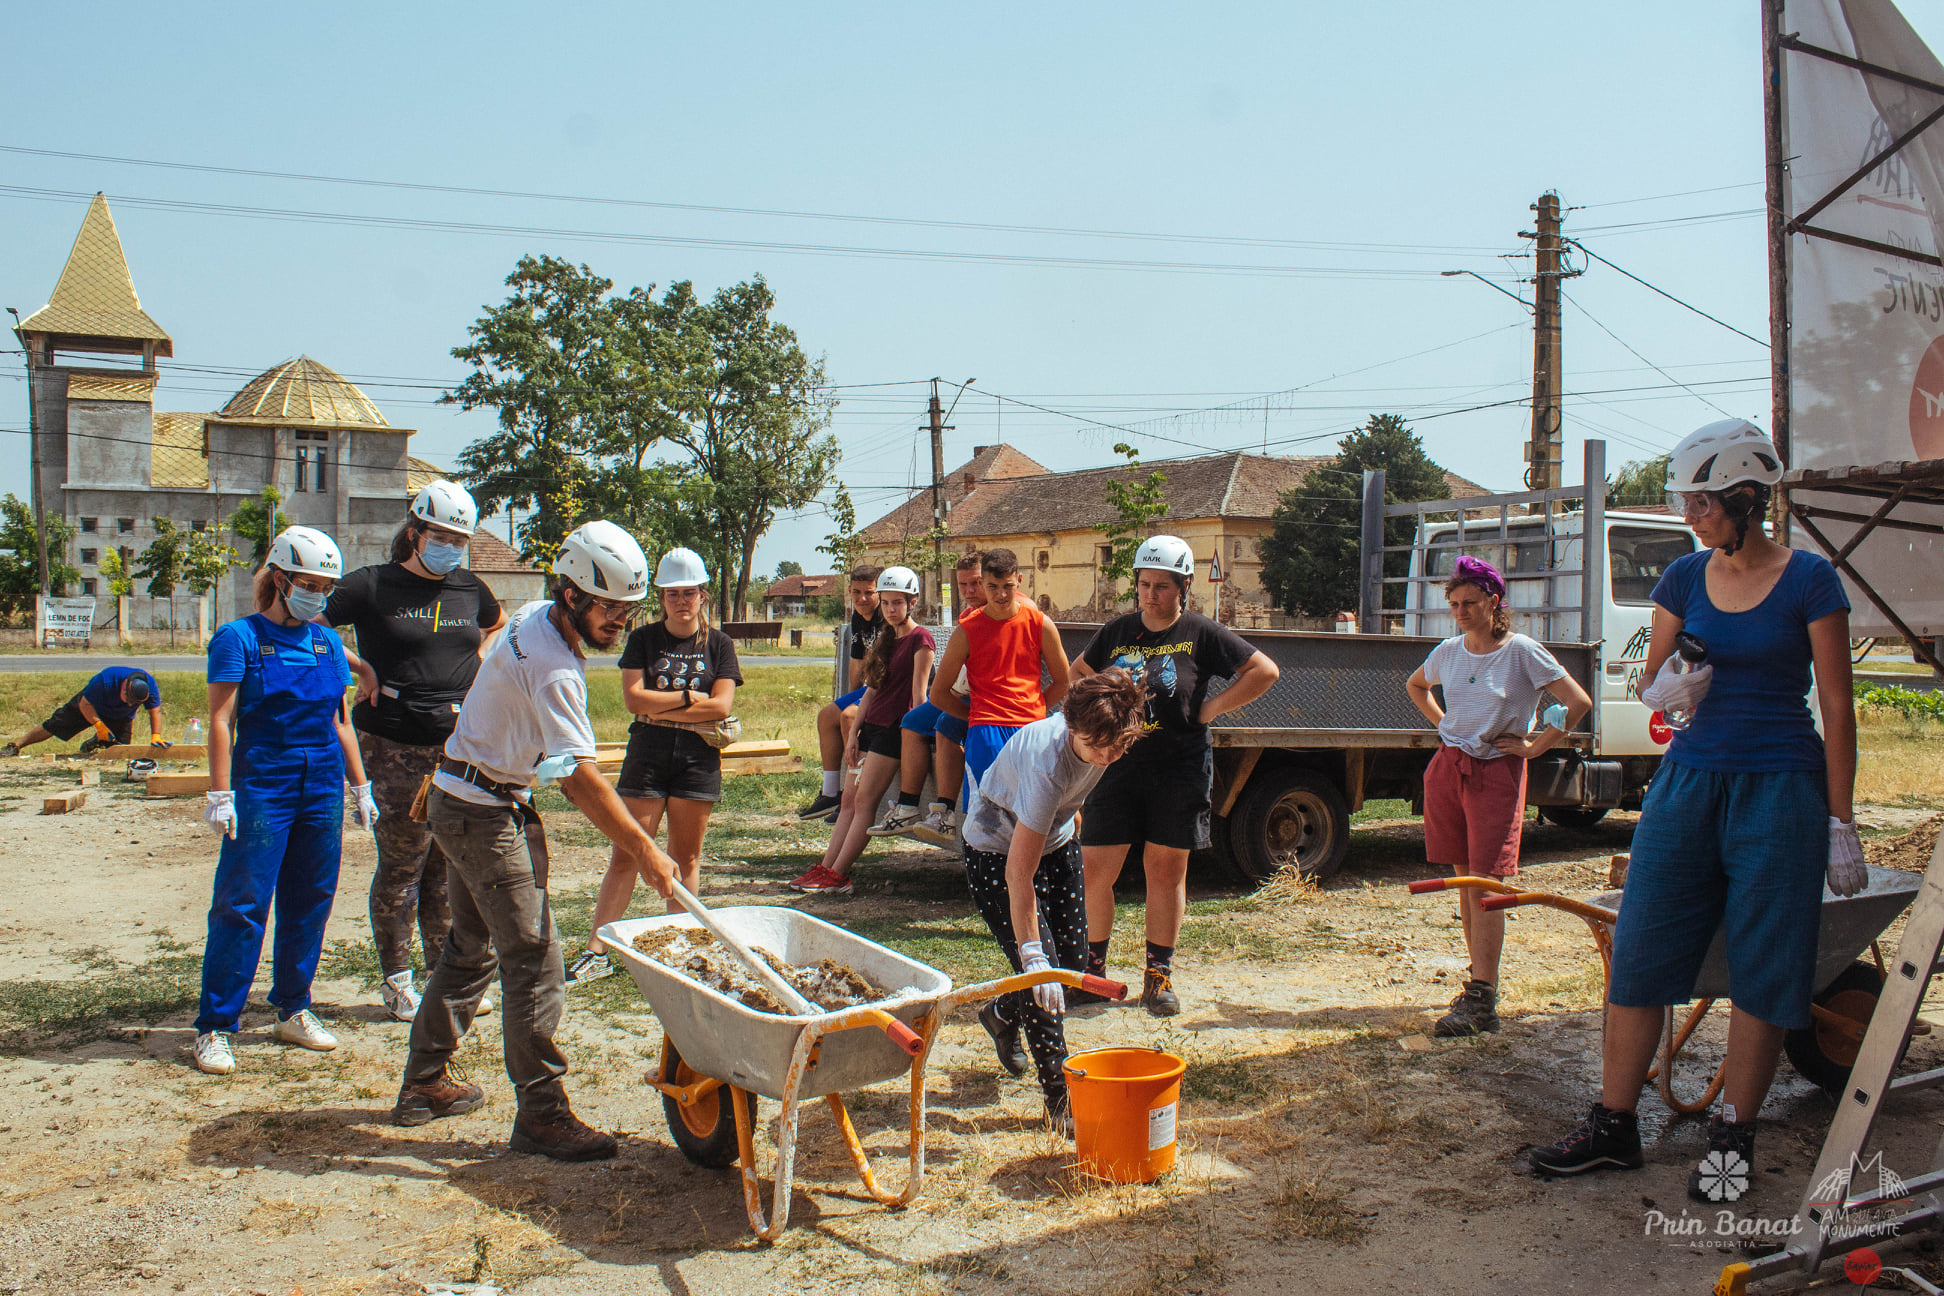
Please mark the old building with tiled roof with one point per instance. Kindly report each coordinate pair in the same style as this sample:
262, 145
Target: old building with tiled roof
111, 463
1221, 504
788, 596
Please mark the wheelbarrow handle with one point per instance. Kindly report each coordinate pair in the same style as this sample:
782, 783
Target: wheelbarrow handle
1425, 886
1494, 902
904, 1037
1102, 986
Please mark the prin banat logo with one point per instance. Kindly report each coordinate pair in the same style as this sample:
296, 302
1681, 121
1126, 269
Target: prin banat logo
1725, 1179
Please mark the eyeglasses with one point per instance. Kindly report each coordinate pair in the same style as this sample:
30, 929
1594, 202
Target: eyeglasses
609, 608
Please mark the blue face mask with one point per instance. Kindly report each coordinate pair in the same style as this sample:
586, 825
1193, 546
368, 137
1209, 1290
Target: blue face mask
303, 604
441, 558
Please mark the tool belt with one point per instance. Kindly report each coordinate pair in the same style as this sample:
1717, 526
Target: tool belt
474, 775
716, 733
529, 818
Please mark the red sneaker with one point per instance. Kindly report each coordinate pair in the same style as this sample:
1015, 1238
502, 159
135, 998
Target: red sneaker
822, 881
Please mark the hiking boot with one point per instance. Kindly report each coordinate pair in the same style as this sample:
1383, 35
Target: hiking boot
305, 1031
1473, 1012
213, 1053
1604, 1140
1157, 993
564, 1138
401, 1001
589, 967
824, 807
441, 1096
1729, 1165
1059, 1113
1005, 1039
897, 820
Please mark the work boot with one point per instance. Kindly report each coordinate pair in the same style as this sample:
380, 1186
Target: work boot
1473, 1012
434, 1098
1729, 1165
1157, 993
564, 1138
1605, 1139
1005, 1039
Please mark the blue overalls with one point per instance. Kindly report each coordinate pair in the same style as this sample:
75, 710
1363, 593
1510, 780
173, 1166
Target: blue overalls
287, 770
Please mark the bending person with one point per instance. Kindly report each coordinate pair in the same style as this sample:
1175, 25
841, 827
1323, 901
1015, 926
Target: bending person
1749, 815
678, 679
1474, 788
276, 792
107, 704
1160, 795
1022, 865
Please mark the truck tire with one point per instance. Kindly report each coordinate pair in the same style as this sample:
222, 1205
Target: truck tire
1289, 816
1580, 817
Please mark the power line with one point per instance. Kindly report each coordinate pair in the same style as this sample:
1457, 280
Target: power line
1663, 292
1643, 359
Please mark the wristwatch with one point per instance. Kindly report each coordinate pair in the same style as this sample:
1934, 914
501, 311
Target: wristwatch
688, 698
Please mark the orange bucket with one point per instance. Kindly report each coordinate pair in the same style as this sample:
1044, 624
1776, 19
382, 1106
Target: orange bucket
1124, 1105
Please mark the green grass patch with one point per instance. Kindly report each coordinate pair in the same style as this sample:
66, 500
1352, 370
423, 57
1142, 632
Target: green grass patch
110, 993
1383, 809
29, 697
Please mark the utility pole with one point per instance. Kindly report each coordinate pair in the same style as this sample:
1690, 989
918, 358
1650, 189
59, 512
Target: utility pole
1544, 450
934, 580
33, 457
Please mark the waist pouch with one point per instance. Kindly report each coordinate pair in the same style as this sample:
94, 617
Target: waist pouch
717, 733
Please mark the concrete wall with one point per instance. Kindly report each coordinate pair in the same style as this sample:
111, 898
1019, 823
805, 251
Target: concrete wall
50, 419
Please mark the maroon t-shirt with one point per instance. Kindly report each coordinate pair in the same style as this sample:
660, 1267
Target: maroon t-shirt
889, 703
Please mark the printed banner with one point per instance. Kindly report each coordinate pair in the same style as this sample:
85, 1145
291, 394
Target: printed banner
64, 621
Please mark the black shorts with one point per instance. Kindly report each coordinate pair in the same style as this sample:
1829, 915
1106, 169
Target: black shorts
1157, 793
885, 740
664, 764
68, 721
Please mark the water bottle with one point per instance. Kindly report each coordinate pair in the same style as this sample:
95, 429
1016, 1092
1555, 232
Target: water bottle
1690, 651
193, 735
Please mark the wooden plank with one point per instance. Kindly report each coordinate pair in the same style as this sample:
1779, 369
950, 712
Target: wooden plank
762, 765
605, 752
63, 802
90, 778
142, 751
182, 783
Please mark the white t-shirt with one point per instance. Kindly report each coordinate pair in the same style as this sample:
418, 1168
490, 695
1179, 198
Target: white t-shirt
1037, 780
528, 702
1492, 694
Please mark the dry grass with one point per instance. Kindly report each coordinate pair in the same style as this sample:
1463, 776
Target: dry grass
1899, 761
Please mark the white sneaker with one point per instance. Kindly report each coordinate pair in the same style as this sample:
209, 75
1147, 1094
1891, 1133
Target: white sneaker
305, 1031
898, 820
213, 1053
400, 999
485, 1003
940, 828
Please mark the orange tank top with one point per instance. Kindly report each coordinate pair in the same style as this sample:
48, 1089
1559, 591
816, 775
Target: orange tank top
1002, 663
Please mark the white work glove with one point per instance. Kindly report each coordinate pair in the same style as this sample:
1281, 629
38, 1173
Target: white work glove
1847, 873
221, 811
364, 811
1049, 995
553, 769
1674, 690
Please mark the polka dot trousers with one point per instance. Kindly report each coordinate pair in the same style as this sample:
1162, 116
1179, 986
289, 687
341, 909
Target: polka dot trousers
1060, 885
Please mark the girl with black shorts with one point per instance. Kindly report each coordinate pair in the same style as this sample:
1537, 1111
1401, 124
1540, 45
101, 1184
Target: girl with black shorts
678, 679
897, 673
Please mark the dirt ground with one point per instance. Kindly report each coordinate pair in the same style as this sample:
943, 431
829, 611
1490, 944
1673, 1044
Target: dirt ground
1324, 1142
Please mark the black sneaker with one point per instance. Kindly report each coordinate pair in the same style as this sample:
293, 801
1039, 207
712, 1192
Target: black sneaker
1157, 993
1473, 1012
1729, 1165
1005, 1039
1059, 1112
824, 807
1605, 1139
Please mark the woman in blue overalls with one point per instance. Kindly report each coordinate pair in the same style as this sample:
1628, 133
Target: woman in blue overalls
276, 793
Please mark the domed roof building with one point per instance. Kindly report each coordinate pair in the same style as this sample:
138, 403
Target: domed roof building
302, 393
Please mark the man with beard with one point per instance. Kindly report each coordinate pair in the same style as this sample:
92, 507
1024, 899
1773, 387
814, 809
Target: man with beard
525, 721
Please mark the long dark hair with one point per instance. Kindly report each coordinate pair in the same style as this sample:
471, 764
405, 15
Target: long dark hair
877, 660
405, 539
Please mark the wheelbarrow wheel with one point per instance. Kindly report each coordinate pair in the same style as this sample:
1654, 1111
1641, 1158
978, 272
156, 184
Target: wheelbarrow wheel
1822, 1054
706, 1130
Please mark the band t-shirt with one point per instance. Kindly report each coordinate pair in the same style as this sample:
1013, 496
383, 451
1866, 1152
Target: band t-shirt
1176, 664
889, 703
669, 664
422, 637
104, 692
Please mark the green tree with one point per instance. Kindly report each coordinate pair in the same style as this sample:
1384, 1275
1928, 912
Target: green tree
258, 521
788, 567
20, 558
845, 545
162, 565
1310, 560
1138, 504
206, 560
1642, 481
114, 574
662, 505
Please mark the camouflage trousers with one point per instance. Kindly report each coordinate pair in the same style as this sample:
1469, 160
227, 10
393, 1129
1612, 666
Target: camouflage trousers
409, 887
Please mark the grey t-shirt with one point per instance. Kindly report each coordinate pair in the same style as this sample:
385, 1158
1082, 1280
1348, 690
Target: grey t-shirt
1037, 781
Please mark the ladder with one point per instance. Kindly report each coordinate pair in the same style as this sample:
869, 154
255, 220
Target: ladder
1830, 1194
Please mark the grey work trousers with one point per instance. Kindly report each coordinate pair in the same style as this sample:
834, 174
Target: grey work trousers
499, 905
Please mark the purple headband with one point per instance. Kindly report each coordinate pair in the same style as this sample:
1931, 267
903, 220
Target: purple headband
1480, 573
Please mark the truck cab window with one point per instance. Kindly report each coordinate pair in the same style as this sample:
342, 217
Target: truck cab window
1638, 556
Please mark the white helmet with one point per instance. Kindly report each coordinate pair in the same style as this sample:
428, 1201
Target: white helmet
600, 558
306, 550
1165, 553
1721, 455
446, 504
898, 580
680, 568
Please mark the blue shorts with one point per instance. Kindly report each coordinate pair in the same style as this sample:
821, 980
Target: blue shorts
850, 699
926, 720
982, 744
1744, 851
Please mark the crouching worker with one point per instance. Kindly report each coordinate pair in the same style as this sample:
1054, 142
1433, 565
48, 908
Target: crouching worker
276, 792
525, 719
108, 704
1022, 863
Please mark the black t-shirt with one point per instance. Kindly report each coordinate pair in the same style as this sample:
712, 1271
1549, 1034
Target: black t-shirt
1176, 664
669, 664
422, 637
863, 632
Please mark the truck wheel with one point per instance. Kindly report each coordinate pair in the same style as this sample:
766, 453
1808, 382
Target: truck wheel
1290, 816
1580, 817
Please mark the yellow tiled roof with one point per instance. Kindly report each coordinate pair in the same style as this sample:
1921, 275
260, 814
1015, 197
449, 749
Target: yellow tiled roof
111, 387
176, 457
302, 393
96, 296
419, 474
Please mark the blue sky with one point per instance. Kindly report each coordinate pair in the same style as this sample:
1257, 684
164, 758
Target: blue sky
1357, 149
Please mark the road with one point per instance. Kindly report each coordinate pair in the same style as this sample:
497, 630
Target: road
64, 661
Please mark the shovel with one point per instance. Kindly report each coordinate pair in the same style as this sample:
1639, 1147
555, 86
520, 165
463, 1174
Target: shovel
759, 969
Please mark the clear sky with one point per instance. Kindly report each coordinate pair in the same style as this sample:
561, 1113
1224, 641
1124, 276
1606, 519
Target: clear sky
1313, 166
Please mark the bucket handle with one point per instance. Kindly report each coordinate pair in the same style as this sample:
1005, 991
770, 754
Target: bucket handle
1082, 1071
